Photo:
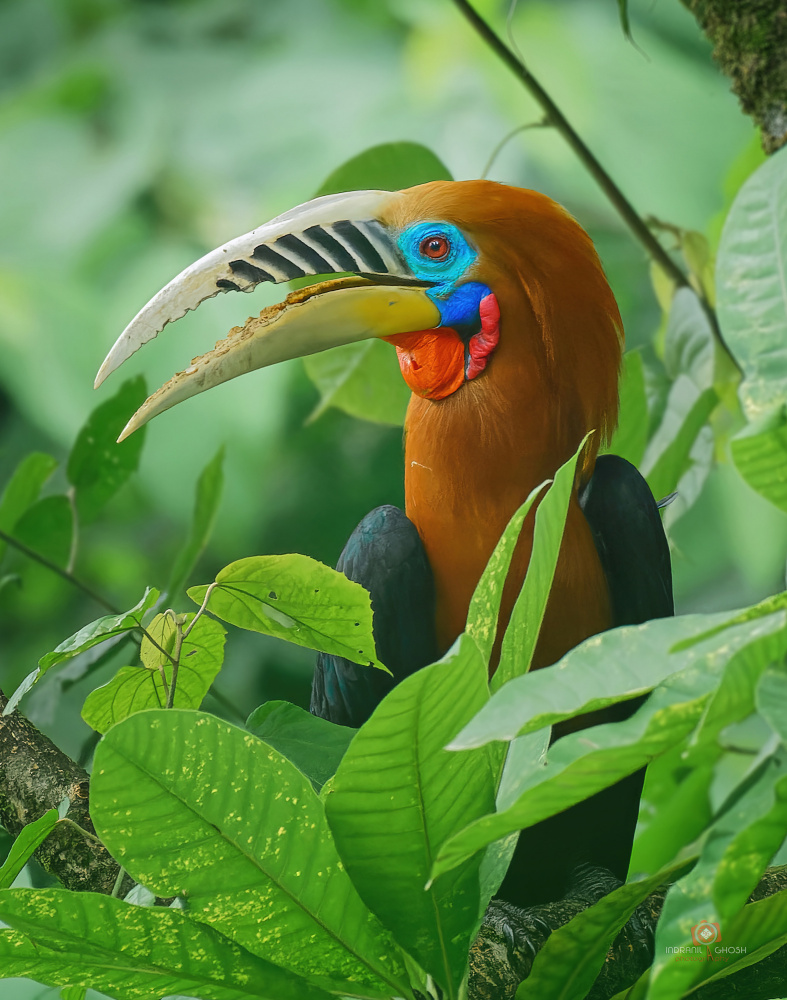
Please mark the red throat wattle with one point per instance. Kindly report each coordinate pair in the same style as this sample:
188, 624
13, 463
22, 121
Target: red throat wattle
435, 363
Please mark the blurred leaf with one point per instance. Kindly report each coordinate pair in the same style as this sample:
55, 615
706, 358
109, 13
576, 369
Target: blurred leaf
22, 490
701, 264
771, 699
485, 603
210, 486
134, 689
752, 295
362, 379
667, 457
625, 23
46, 528
194, 807
298, 599
29, 840
523, 630
606, 668
390, 166
415, 795
98, 466
89, 939
759, 452
631, 436
315, 746
568, 964
98, 631
689, 346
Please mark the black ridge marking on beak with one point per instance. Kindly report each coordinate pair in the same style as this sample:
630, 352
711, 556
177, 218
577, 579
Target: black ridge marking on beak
230, 286
364, 251
277, 263
334, 251
248, 271
312, 261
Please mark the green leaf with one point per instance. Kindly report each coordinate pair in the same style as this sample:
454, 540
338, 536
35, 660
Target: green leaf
22, 490
134, 689
689, 345
390, 166
298, 599
484, 607
29, 840
98, 631
315, 746
73, 992
752, 294
623, 11
583, 763
64, 938
398, 795
759, 452
631, 436
568, 964
668, 455
521, 636
622, 663
46, 528
734, 856
206, 503
361, 379
191, 806
98, 466
771, 700
364, 379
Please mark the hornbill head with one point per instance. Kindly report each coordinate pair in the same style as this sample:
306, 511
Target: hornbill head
464, 278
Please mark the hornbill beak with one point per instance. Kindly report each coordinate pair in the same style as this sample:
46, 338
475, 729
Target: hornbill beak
335, 234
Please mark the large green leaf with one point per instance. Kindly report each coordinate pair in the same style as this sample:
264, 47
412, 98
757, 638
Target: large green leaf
298, 599
568, 964
134, 689
734, 856
759, 452
583, 763
484, 607
30, 838
85, 938
521, 636
689, 346
622, 663
206, 503
364, 379
46, 527
22, 489
194, 807
98, 631
98, 466
315, 746
398, 795
631, 436
752, 293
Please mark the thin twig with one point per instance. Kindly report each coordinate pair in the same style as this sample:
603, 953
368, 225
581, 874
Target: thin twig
31, 554
506, 139
560, 123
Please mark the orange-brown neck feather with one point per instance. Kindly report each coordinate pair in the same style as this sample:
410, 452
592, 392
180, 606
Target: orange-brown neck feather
472, 458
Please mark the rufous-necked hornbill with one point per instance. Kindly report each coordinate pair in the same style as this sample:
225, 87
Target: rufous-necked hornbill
510, 339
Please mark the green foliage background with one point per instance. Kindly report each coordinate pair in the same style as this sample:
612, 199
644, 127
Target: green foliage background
135, 136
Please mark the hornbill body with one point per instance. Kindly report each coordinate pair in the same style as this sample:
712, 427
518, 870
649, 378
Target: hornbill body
509, 336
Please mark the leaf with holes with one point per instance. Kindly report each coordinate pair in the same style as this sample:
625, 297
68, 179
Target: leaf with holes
298, 599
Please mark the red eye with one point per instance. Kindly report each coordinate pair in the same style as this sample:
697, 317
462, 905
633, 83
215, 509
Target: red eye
435, 247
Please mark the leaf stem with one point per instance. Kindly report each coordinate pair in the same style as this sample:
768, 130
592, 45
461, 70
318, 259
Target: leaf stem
64, 573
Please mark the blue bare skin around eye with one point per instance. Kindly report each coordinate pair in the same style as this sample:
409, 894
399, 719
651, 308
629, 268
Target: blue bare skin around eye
458, 305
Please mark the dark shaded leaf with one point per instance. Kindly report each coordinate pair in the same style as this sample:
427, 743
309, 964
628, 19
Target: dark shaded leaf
206, 504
